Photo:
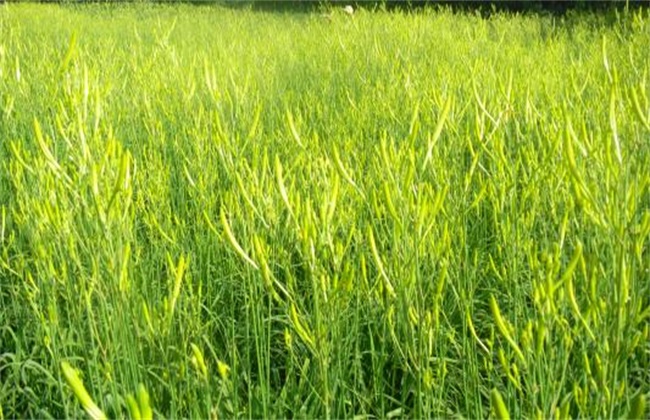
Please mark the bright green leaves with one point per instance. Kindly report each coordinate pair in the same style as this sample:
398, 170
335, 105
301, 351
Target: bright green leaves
169, 195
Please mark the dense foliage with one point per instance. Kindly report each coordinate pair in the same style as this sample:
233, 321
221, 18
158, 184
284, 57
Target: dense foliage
209, 212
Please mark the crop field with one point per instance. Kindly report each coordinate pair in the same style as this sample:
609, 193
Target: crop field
214, 212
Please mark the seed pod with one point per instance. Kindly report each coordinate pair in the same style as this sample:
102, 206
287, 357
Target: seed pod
75, 382
145, 403
199, 361
504, 362
281, 186
503, 328
639, 112
223, 369
563, 411
233, 241
267, 275
606, 61
413, 316
613, 126
302, 331
147, 317
288, 339
433, 139
472, 330
498, 406
134, 409
389, 203
380, 265
567, 279
599, 370
515, 376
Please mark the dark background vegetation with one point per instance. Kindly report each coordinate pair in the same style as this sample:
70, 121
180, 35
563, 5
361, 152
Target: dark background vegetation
483, 5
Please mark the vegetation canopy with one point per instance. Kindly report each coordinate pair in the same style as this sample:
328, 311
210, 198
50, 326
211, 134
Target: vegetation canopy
216, 212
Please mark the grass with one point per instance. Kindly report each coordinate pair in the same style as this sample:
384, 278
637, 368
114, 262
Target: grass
209, 212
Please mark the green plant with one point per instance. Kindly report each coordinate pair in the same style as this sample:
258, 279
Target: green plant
421, 214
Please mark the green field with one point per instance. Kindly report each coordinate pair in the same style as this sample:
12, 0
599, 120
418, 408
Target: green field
237, 213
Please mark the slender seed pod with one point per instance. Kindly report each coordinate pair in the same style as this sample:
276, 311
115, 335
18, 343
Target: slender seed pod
75, 382
503, 328
145, 403
498, 406
132, 406
645, 121
233, 241
199, 361
380, 265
